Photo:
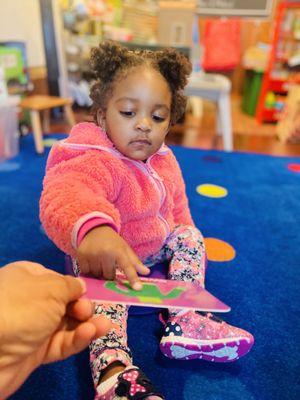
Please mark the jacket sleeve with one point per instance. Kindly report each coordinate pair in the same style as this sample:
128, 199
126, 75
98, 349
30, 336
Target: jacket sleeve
181, 211
78, 186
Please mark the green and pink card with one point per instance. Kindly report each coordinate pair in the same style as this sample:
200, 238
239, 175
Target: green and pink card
160, 293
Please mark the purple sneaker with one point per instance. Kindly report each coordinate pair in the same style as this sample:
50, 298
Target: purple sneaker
131, 384
197, 335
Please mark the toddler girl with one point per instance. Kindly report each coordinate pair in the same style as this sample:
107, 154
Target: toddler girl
114, 198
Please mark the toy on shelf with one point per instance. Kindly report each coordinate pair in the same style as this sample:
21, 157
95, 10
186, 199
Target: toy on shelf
14, 63
288, 128
279, 76
13, 60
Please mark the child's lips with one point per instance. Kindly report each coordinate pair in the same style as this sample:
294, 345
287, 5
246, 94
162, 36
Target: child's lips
140, 142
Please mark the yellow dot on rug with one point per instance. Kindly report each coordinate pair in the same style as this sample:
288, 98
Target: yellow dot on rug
218, 250
210, 190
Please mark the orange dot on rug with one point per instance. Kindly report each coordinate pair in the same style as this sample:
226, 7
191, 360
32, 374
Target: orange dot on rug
218, 250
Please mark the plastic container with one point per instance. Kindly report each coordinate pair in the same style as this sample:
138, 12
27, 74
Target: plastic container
3, 87
9, 127
252, 86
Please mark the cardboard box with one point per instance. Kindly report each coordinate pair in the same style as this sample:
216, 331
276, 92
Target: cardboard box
175, 23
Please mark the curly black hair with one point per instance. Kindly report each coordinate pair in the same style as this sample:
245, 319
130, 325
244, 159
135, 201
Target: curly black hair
111, 61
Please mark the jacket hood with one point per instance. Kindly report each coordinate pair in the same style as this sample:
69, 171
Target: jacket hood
89, 134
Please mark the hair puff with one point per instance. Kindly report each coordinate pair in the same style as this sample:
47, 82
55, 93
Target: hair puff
174, 66
106, 59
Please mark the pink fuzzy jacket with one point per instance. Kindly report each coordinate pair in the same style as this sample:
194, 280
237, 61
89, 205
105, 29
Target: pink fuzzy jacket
89, 182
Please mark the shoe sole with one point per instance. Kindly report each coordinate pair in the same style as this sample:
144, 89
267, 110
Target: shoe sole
227, 350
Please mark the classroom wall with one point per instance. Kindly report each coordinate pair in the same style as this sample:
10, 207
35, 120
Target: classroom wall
20, 20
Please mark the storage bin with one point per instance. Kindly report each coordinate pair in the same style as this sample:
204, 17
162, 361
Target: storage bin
9, 127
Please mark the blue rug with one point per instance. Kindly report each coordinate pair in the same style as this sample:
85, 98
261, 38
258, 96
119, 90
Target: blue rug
259, 218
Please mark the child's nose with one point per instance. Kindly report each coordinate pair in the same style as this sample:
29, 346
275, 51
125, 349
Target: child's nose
144, 124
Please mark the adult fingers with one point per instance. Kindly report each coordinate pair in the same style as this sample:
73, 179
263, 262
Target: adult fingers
81, 309
65, 343
102, 325
73, 288
59, 287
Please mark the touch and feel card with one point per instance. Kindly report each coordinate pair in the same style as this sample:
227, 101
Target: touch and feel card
160, 293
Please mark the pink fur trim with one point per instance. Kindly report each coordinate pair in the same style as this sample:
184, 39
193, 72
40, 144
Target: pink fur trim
88, 222
91, 224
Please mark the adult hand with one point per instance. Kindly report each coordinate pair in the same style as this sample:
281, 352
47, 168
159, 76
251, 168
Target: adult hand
42, 320
102, 251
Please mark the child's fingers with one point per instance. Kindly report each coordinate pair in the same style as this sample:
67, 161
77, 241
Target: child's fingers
129, 270
83, 265
140, 267
97, 267
108, 266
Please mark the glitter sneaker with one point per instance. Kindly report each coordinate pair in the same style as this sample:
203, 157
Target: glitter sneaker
197, 335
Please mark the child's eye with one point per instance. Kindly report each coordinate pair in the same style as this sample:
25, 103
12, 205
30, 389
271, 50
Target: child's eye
157, 118
128, 113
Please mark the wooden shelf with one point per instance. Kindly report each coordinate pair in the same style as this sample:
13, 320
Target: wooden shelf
288, 36
271, 115
278, 85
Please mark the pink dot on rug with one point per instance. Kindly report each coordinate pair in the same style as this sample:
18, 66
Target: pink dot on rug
294, 167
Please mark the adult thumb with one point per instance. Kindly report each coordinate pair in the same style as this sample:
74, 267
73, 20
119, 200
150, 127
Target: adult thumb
74, 288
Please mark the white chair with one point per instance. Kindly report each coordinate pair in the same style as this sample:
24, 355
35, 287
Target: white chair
216, 88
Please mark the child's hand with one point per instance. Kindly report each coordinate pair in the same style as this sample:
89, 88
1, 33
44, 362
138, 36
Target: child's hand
102, 251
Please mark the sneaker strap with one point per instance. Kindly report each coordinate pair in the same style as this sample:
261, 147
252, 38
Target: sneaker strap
134, 385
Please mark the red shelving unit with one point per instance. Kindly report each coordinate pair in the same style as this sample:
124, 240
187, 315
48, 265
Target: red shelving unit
278, 78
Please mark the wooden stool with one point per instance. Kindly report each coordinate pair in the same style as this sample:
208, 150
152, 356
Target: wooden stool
43, 104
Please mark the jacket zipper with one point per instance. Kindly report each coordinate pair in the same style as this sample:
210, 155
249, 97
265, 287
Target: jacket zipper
158, 182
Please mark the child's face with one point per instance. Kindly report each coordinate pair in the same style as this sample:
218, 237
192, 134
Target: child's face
137, 116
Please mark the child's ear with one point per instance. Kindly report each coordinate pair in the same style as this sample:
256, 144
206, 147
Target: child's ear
101, 119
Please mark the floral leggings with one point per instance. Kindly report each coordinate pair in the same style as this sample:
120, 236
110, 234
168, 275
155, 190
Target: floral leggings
184, 248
